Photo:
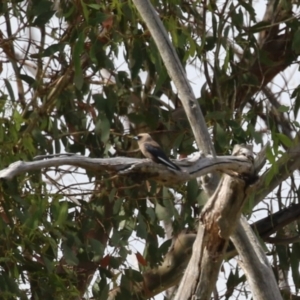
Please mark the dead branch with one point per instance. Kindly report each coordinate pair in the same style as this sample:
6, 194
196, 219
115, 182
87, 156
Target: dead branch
217, 222
191, 169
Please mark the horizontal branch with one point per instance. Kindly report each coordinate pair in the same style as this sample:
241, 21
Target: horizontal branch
191, 168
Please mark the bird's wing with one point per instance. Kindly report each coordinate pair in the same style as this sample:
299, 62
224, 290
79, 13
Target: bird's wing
159, 156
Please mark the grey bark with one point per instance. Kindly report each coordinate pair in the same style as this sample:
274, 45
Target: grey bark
201, 274
255, 264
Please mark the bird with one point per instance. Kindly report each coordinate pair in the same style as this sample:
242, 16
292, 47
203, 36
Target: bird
152, 150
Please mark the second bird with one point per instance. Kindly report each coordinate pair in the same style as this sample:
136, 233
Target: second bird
152, 150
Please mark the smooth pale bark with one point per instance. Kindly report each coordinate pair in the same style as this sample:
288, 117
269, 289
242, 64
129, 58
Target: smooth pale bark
218, 220
174, 67
254, 263
175, 262
177, 74
191, 169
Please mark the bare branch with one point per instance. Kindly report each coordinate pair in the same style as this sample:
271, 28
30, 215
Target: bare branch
218, 220
285, 166
178, 75
125, 166
171, 270
255, 264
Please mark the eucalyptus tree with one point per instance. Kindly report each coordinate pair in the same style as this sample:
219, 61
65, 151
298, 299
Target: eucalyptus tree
79, 78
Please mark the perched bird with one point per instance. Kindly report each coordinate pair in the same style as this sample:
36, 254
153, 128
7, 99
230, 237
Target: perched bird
152, 150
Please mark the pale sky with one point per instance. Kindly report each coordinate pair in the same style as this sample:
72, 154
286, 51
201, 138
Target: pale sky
197, 80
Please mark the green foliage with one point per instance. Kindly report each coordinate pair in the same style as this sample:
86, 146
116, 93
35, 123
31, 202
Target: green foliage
54, 100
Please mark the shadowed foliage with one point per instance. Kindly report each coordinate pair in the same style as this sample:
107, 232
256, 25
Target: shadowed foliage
78, 77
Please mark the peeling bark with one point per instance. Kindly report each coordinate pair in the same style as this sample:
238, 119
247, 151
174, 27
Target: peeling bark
218, 220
